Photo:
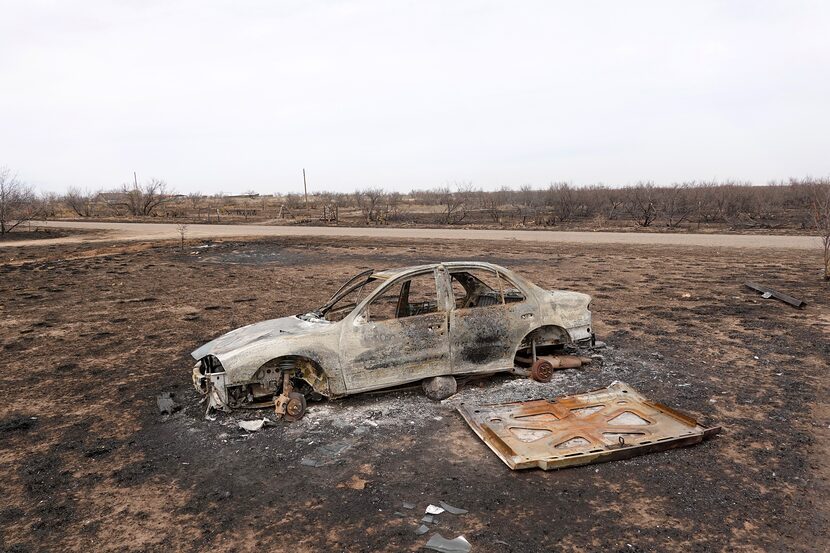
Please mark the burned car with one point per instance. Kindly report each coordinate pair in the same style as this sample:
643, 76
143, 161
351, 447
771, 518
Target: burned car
388, 328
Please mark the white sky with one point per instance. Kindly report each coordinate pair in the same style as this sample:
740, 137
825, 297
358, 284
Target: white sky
231, 96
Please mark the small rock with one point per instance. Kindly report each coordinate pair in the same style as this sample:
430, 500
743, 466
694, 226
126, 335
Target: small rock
440, 387
166, 404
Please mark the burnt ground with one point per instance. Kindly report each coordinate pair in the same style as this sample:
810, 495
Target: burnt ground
39, 233
35, 234
90, 334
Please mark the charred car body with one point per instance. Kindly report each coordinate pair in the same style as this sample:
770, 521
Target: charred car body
388, 328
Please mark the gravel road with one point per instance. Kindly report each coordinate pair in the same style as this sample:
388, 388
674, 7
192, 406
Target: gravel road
162, 231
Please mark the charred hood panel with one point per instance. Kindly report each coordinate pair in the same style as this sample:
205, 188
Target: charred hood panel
227, 344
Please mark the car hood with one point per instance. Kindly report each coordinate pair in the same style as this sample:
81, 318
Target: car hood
238, 339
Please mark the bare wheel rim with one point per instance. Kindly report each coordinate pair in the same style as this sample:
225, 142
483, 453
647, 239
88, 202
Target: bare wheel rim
542, 371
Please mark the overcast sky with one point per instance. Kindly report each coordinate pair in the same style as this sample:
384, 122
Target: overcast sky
231, 96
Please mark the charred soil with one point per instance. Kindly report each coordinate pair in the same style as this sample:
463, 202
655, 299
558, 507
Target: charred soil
91, 334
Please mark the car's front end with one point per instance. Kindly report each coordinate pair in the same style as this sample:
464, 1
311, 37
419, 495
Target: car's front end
245, 367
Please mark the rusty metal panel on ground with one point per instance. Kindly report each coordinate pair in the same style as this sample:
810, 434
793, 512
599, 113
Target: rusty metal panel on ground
603, 425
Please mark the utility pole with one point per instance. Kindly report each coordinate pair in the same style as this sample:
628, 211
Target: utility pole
305, 189
135, 179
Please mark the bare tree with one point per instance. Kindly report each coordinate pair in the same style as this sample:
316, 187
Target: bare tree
142, 200
614, 203
560, 196
196, 199
640, 203
182, 230
18, 202
82, 202
492, 202
526, 202
369, 201
675, 205
455, 202
392, 208
820, 211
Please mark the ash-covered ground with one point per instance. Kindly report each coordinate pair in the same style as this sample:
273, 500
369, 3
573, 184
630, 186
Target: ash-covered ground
91, 334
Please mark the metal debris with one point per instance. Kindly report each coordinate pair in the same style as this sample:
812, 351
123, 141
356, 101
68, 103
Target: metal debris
542, 366
421, 530
770, 293
439, 543
434, 510
253, 426
428, 519
407, 505
452, 510
602, 425
166, 404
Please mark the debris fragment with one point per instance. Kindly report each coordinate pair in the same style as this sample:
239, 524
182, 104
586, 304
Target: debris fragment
428, 519
602, 425
166, 404
770, 293
541, 370
434, 510
452, 510
567, 361
407, 505
253, 426
421, 530
441, 544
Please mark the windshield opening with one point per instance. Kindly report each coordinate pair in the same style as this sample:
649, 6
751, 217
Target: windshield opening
349, 296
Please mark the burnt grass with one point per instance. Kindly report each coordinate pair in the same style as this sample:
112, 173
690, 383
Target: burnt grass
91, 334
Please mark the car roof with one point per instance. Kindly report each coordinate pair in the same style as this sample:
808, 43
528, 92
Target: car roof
390, 274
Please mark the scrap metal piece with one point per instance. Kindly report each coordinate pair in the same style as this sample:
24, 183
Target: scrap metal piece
452, 510
421, 530
254, 425
770, 293
439, 543
541, 370
602, 425
434, 510
557, 361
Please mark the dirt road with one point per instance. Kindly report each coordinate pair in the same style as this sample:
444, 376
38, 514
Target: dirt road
168, 231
